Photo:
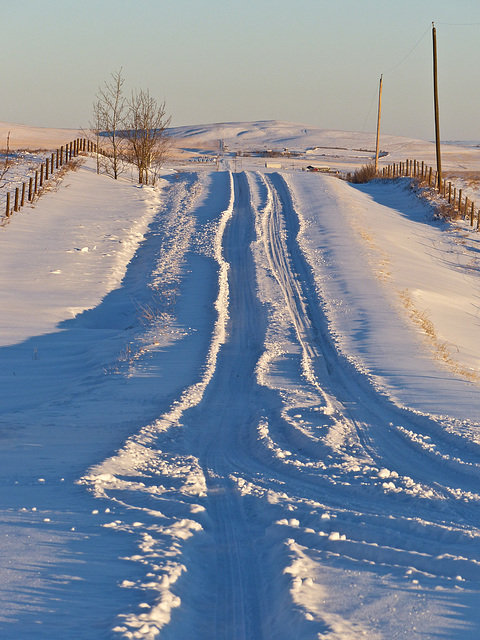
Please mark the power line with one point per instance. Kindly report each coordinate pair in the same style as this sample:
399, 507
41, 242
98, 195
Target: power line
410, 52
369, 110
460, 24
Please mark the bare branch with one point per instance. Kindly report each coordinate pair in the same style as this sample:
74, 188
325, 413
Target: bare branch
109, 111
7, 162
146, 134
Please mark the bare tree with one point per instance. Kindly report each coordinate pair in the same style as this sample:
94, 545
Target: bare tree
148, 142
109, 111
6, 163
95, 130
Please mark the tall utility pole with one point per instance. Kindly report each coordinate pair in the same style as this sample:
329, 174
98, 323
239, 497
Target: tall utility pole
377, 147
437, 118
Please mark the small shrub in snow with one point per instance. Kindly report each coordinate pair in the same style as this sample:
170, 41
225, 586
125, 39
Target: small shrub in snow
362, 175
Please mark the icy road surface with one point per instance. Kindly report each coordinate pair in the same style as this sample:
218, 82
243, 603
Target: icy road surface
279, 451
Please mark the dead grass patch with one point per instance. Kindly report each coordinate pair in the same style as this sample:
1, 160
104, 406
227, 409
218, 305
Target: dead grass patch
440, 348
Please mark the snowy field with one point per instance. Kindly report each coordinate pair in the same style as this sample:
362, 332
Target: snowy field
243, 404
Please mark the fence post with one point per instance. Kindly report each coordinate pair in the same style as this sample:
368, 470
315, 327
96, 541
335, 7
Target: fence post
460, 200
472, 213
41, 176
22, 199
51, 164
56, 160
16, 208
36, 183
7, 208
46, 170
30, 189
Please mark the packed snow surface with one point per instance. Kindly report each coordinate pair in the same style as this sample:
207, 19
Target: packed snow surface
243, 404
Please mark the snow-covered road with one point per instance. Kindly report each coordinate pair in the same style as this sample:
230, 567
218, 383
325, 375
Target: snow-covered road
267, 444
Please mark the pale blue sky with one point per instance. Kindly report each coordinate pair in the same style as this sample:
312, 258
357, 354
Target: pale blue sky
316, 62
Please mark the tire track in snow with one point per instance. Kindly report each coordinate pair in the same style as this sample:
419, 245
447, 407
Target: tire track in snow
366, 502
142, 479
360, 409
215, 426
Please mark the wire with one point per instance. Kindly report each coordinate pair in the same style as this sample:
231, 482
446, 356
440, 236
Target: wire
369, 111
459, 24
410, 52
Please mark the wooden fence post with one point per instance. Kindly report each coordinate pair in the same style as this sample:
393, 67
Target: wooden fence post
56, 160
22, 199
52, 161
36, 183
16, 208
30, 189
460, 200
7, 208
41, 176
46, 170
472, 213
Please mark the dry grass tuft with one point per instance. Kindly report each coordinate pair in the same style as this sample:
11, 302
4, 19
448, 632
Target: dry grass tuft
362, 175
440, 348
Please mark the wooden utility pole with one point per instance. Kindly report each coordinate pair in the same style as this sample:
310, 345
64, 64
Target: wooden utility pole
437, 118
377, 147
